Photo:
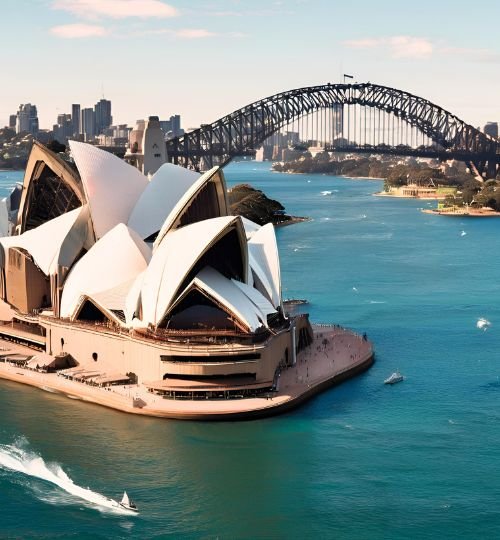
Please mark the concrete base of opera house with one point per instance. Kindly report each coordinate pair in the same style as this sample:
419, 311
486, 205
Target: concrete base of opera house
335, 355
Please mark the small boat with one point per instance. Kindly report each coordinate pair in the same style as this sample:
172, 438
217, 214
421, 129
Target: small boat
127, 503
394, 378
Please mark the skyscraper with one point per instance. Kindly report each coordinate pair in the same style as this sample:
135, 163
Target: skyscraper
75, 117
63, 130
176, 124
12, 121
172, 126
27, 119
88, 124
491, 129
103, 118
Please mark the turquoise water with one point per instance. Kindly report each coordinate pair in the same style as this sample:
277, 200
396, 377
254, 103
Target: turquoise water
364, 461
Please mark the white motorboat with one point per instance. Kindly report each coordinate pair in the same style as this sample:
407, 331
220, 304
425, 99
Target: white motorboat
394, 378
127, 503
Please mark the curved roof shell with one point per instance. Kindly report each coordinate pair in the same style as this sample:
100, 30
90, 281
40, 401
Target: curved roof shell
51, 187
205, 199
257, 298
176, 257
118, 257
264, 260
57, 240
112, 187
167, 186
133, 300
228, 295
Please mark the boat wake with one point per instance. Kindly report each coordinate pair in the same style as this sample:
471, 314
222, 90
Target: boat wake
326, 193
14, 458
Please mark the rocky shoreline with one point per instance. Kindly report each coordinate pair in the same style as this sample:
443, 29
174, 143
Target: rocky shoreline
253, 204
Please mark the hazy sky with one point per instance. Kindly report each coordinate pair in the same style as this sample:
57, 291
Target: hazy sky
205, 58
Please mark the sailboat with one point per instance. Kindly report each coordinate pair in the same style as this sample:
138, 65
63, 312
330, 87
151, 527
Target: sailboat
127, 503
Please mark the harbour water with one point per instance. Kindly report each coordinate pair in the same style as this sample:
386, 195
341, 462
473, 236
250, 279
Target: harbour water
363, 460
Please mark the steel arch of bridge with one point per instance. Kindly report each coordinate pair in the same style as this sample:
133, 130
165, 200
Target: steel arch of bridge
244, 130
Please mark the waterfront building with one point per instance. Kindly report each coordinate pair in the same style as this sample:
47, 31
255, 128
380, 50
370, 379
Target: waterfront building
147, 280
27, 119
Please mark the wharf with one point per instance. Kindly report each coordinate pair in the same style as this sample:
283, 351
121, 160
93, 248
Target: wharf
335, 355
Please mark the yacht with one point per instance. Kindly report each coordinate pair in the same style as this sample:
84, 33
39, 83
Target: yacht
394, 378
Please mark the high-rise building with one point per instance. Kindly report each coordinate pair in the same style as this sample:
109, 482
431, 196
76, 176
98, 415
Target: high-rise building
27, 119
491, 129
63, 130
88, 128
172, 126
103, 118
12, 121
75, 116
176, 125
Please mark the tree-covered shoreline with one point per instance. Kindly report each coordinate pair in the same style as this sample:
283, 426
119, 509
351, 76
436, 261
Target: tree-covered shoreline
398, 172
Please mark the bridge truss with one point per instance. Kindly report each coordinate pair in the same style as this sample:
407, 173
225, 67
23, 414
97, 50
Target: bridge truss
340, 117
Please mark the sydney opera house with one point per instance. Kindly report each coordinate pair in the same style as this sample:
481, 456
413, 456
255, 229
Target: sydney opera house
148, 279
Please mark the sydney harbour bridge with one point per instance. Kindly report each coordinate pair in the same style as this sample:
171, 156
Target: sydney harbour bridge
360, 117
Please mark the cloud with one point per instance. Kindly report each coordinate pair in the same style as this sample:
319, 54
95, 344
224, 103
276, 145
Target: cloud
116, 9
187, 33
71, 31
396, 46
475, 55
417, 47
194, 33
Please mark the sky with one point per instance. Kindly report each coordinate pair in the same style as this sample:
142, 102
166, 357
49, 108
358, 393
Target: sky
203, 59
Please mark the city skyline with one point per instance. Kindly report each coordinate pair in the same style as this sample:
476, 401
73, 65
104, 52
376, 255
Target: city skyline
113, 48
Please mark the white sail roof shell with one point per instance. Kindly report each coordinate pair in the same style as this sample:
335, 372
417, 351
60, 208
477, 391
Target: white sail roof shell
172, 261
133, 299
228, 294
78, 237
257, 298
183, 202
264, 260
167, 186
48, 242
116, 258
112, 187
114, 298
250, 227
